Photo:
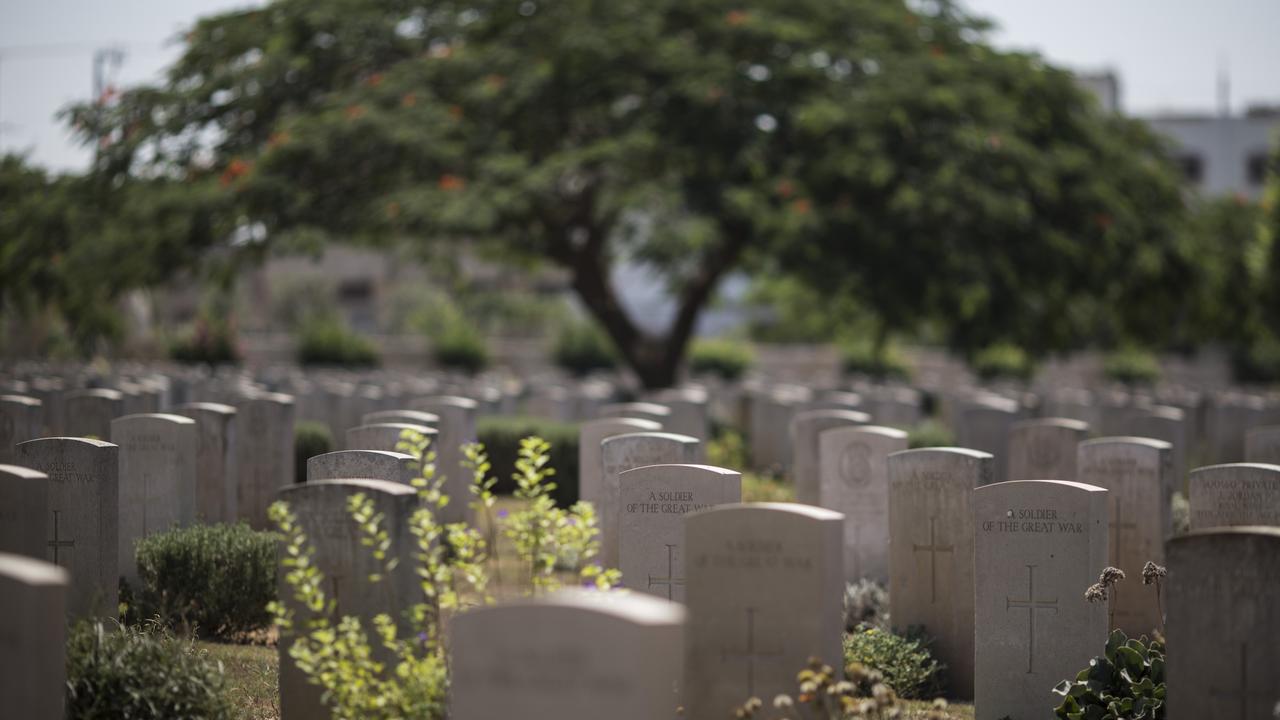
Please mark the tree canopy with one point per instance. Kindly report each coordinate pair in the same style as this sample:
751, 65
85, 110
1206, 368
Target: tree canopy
877, 150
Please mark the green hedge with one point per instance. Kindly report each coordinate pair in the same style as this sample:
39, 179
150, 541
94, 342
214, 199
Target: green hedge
860, 358
582, 348
329, 342
309, 439
501, 437
728, 359
141, 674
1132, 367
1003, 362
460, 347
213, 580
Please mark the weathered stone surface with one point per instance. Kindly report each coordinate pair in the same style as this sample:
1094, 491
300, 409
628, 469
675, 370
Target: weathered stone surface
321, 509
1135, 472
88, 413
215, 460
24, 511
1170, 424
1234, 494
33, 625
653, 503
457, 427
574, 655
1045, 449
639, 410
1223, 620
1038, 544
689, 412
157, 478
984, 424
412, 417
1262, 445
20, 421
385, 465
804, 431
764, 592
83, 515
854, 481
264, 454
385, 436
590, 467
931, 550
626, 452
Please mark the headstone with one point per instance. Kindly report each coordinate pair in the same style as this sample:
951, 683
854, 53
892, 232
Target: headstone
984, 425
552, 403
770, 416
215, 460
321, 509
1136, 474
20, 421
854, 481
639, 410
620, 453
764, 592
264, 454
1262, 445
84, 508
1230, 416
1234, 494
804, 431
457, 427
88, 413
931, 534
590, 435
897, 407
569, 656
33, 632
157, 478
653, 502
1163, 422
412, 417
385, 465
1073, 403
24, 510
1038, 545
385, 436
1045, 449
1223, 621
689, 412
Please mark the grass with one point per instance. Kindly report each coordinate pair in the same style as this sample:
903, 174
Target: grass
252, 679
919, 710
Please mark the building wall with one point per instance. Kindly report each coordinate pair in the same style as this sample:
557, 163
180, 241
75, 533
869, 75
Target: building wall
1221, 155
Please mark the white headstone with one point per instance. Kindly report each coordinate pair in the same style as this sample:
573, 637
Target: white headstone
804, 430
215, 460
457, 427
33, 631
385, 436
854, 481
412, 417
639, 410
20, 420
1045, 448
590, 468
984, 425
1234, 494
689, 412
1038, 545
157, 478
88, 413
264, 454
570, 656
764, 591
385, 465
626, 452
1262, 445
653, 502
24, 511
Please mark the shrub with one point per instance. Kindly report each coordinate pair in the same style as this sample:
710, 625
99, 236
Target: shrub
1181, 514
326, 341
727, 450
1132, 367
214, 580
861, 358
501, 438
309, 439
1002, 362
765, 488
210, 341
1258, 361
906, 663
582, 348
140, 674
865, 602
930, 433
1126, 681
460, 347
725, 358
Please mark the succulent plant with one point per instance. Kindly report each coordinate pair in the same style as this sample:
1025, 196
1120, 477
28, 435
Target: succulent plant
1126, 681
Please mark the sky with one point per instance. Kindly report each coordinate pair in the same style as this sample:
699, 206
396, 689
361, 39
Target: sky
1168, 53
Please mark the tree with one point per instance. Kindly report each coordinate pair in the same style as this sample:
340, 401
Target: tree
857, 142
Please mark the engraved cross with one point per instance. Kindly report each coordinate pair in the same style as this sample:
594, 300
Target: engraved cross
750, 653
1243, 693
55, 543
1032, 605
670, 581
933, 548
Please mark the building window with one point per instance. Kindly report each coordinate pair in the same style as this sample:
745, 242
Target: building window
1192, 168
1257, 167
355, 291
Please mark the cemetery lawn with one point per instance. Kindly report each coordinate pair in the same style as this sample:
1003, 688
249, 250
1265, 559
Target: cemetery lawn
251, 678
919, 709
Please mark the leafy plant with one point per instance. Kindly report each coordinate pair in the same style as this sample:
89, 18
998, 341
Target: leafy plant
1126, 682
1002, 361
213, 580
904, 661
1132, 366
501, 436
865, 602
758, 487
861, 694
326, 341
930, 433
883, 363
141, 673
459, 346
583, 348
211, 340
726, 359
727, 450
309, 439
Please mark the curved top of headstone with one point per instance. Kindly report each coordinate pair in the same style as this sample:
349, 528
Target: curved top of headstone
992, 402
21, 471
647, 408
107, 393
414, 417
1268, 531
273, 397
155, 417
860, 430
637, 608
30, 571
1260, 467
1127, 440
338, 454
22, 400
1065, 484
853, 416
1068, 423
88, 441
922, 452
457, 401
633, 425
808, 511
382, 486
423, 429
685, 394
673, 437
672, 468
208, 407
1166, 412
